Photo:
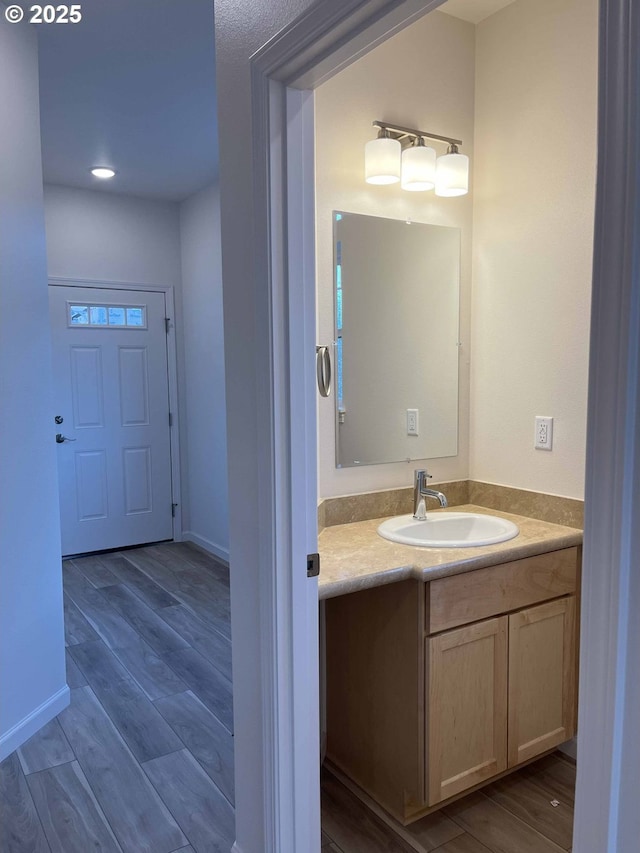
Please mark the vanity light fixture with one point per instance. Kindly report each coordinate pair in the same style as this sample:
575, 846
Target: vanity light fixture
382, 158
452, 173
102, 172
418, 167
400, 153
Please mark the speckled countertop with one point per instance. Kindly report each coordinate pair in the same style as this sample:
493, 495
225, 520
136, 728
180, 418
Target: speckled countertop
354, 557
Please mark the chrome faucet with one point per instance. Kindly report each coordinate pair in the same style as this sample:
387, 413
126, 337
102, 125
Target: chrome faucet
420, 492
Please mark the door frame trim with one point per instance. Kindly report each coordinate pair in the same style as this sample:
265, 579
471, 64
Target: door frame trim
172, 373
607, 818
277, 807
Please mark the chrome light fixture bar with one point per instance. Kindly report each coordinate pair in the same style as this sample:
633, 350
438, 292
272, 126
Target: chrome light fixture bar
416, 165
396, 131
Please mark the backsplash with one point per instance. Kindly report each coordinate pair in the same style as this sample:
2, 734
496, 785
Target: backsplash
557, 510
352, 508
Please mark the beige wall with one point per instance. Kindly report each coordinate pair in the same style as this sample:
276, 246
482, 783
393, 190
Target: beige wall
532, 117
423, 77
205, 428
534, 191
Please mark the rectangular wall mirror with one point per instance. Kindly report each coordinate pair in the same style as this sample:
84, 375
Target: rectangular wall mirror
397, 293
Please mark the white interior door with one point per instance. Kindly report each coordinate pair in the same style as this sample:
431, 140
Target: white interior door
111, 394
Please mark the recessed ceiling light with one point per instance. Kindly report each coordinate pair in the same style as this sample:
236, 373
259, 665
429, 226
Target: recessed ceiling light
102, 172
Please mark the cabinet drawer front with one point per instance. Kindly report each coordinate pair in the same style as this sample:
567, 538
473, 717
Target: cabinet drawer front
480, 594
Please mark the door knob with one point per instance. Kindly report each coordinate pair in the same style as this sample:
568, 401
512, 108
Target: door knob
58, 419
60, 438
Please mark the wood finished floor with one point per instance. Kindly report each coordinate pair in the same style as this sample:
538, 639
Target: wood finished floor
142, 760
513, 815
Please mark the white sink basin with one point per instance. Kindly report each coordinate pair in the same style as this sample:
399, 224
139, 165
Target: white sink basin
448, 530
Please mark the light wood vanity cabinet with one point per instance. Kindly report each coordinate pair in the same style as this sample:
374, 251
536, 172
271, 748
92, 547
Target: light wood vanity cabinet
435, 688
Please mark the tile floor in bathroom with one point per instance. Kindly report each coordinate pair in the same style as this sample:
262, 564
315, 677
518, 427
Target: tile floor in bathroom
142, 760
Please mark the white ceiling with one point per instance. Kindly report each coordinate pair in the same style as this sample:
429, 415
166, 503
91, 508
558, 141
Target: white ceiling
131, 86
473, 10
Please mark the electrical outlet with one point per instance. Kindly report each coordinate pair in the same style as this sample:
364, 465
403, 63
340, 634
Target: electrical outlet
412, 421
544, 433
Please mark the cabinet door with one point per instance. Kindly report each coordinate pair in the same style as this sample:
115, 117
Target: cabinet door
542, 678
467, 718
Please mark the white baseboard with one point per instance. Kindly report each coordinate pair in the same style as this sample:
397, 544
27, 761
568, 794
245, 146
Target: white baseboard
206, 545
33, 722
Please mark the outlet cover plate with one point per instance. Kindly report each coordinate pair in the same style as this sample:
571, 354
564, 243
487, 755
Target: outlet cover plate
543, 439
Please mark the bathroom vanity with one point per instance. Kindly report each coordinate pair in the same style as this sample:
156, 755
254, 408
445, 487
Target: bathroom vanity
447, 668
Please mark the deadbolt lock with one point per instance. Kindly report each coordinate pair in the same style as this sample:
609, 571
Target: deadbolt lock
58, 419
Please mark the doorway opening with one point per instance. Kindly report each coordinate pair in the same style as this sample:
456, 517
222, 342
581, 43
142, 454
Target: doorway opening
290, 62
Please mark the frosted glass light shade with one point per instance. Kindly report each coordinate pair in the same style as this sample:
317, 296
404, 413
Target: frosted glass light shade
382, 161
418, 168
452, 175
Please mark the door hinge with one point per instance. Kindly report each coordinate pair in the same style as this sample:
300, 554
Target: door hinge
170, 419
313, 565
167, 323
173, 510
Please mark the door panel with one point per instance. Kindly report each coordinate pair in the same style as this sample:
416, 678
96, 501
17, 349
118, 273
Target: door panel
111, 389
467, 719
542, 682
137, 480
87, 387
134, 386
91, 484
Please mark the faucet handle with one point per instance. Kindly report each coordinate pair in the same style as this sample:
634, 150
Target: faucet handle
422, 473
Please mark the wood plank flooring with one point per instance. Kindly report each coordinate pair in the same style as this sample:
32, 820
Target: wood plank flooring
142, 760
529, 811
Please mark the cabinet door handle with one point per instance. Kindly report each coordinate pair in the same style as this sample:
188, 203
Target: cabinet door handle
323, 370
